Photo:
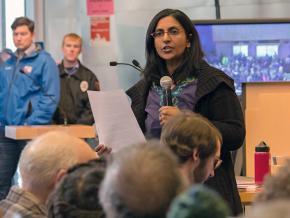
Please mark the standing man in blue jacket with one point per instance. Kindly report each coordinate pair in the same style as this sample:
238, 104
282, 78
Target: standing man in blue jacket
29, 94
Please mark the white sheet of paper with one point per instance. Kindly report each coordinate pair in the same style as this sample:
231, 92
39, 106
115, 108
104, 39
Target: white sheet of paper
116, 124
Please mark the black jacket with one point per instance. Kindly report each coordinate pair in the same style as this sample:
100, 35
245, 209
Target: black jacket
218, 102
74, 102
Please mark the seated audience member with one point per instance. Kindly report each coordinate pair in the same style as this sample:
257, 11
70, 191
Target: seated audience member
43, 162
196, 143
276, 186
272, 209
74, 106
140, 182
77, 194
198, 202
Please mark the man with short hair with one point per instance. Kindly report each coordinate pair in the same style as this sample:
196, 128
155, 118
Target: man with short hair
29, 93
43, 162
196, 143
76, 79
141, 181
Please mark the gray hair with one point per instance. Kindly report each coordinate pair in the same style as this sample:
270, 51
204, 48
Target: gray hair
276, 186
271, 209
43, 157
141, 181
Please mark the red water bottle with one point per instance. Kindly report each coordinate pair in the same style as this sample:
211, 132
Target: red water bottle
262, 162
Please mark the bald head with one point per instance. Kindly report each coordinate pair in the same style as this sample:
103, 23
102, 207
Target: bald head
42, 158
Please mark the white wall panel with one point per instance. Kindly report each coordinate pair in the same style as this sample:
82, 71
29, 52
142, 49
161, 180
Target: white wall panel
128, 27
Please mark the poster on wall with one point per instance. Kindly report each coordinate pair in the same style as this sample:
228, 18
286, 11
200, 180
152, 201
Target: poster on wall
100, 30
100, 7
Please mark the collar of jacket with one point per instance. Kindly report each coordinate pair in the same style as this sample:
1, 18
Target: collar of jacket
77, 74
29, 53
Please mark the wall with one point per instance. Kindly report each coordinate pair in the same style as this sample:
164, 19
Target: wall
128, 27
254, 8
267, 119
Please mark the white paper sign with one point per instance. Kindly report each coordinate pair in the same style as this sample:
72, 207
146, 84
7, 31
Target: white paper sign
116, 124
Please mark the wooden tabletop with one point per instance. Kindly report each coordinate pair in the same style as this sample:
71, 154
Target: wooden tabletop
248, 196
247, 189
30, 132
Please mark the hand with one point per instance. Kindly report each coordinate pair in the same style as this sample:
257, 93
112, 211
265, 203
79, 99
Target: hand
166, 112
102, 150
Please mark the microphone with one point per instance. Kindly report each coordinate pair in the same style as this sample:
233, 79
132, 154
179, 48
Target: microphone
115, 63
44, 92
166, 83
137, 64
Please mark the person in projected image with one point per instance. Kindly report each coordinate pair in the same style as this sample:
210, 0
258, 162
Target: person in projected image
173, 49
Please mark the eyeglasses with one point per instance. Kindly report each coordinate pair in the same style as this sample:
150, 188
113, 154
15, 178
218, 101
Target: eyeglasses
171, 32
217, 162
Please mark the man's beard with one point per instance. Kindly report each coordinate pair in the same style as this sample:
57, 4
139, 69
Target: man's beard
200, 173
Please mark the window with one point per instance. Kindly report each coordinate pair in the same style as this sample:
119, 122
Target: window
267, 50
13, 9
240, 49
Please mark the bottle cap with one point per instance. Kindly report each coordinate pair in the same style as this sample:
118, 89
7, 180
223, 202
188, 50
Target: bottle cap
262, 147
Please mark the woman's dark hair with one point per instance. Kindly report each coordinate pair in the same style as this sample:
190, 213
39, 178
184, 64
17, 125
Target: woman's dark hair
77, 194
155, 67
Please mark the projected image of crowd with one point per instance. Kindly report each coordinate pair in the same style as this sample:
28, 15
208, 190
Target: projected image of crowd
248, 52
253, 69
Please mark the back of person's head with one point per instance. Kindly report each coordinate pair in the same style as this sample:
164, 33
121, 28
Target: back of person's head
198, 202
276, 186
271, 209
140, 181
43, 158
193, 55
72, 36
23, 21
188, 131
77, 194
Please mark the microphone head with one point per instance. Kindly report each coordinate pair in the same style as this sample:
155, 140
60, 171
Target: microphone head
166, 82
113, 63
136, 63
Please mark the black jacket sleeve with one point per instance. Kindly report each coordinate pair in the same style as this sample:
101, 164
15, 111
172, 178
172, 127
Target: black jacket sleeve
223, 109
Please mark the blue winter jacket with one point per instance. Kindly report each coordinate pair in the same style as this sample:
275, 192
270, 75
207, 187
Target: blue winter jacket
29, 89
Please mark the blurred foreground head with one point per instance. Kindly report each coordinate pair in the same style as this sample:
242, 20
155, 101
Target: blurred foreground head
196, 142
276, 186
77, 194
140, 181
198, 202
46, 159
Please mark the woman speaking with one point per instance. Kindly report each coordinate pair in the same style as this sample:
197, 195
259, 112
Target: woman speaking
173, 49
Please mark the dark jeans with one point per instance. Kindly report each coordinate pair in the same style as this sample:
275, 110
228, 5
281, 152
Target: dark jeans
10, 150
